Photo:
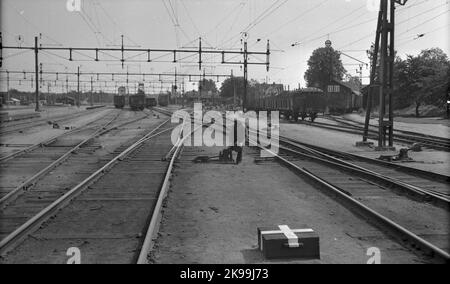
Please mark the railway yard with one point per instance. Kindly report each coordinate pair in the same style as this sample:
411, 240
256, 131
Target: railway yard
224, 137
110, 183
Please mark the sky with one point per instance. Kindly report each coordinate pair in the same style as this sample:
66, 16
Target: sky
176, 24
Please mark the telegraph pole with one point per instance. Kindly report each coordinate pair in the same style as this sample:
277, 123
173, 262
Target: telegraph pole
92, 91
7, 88
78, 87
244, 100
385, 45
48, 93
234, 89
36, 64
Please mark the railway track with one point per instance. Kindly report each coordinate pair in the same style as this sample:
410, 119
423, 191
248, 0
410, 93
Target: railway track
44, 143
22, 170
413, 210
113, 213
8, 128
404, 137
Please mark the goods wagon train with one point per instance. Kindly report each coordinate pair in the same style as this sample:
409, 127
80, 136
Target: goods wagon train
137, 102
66, 100
163, 100
293, 104
150, 102
119, 99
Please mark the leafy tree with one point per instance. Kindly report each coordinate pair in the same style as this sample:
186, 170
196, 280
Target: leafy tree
237, 84
230, 85
207, 85
421, 79
319, 67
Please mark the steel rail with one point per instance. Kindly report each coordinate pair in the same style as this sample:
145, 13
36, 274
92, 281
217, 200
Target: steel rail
400, 135
400, 139
43, 143
9, 241
367, 212
5, 200
421, 135
352, 156
151, 231
30, 124
422, 194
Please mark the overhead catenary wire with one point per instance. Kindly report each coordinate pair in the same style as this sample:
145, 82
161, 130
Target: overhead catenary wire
400, 23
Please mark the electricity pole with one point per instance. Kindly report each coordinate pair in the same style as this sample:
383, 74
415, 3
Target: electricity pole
92, 91
36, 63
385, 49
7, 89
78, 87
244, 99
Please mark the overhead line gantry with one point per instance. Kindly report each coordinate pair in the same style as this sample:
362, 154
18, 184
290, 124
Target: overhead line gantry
149, 51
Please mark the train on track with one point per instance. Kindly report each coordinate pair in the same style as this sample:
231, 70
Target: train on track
163, 100
339, 98
119, 99
150, 102
139, 101
343, 97
293, 105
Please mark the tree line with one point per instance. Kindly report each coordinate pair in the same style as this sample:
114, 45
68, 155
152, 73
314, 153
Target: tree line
419, 80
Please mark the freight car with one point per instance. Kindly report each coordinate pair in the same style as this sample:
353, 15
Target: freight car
119, 99
65, 100
137, 102
342, 97
293, 104
163, 100
150, 102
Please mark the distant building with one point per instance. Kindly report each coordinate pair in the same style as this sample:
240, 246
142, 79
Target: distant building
343, 97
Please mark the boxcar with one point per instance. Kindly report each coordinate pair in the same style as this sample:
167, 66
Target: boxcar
137, 102
119, 101
163, 100
150, 102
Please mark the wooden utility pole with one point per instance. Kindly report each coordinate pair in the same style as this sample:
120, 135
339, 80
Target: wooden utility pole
244, 99
92, 91
36, 64
8, 98
78, 87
